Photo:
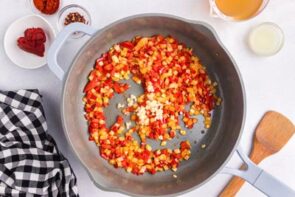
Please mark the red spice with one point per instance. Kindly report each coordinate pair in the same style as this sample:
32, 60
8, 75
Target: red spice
47, 6
74, 17
33, 41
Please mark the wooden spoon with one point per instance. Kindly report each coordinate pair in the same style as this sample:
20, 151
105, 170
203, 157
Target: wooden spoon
272, 133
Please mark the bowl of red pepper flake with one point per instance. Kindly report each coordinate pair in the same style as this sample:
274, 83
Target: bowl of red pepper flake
73, 14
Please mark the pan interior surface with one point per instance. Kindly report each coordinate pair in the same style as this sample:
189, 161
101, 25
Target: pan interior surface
220, 139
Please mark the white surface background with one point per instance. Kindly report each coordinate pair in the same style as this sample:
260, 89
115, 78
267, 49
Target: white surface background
269, 81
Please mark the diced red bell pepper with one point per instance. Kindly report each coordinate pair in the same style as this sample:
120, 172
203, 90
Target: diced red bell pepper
126, 44
120, 88
91, 84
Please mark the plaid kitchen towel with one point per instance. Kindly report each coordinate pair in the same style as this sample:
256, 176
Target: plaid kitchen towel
30, 163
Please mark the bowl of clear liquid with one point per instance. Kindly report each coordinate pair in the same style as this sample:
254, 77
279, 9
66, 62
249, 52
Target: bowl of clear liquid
266, 39
236, 10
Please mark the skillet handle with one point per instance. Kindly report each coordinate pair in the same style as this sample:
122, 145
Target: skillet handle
260, 179
59, 41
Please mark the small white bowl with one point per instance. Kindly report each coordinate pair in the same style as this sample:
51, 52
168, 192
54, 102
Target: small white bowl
36, 11
18, 56
62, 14
266, 39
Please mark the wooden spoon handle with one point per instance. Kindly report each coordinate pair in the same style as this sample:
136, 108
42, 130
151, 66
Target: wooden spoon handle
258, 153
232, 187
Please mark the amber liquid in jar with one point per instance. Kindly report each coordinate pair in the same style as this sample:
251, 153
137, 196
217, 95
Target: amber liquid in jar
239, 9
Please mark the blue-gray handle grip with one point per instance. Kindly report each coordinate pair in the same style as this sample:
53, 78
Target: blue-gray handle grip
59, 41
260, 179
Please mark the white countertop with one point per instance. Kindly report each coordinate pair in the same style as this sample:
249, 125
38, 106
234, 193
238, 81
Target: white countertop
269, 81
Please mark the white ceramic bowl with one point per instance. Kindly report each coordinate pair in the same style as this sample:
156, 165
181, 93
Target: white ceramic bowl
15, 30
266, 39
67, 10
31, 5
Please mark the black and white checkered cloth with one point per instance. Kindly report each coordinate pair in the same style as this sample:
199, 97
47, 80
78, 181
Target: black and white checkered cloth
30, 163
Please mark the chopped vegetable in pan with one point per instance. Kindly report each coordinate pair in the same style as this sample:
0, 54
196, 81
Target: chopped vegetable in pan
172, 77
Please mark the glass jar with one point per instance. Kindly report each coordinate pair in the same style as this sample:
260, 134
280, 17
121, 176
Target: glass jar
232, 10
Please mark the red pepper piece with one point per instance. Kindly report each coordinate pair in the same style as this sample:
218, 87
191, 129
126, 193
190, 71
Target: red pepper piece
120, 120
126, 44
120, 88
25, 45
108, 67
184, 145
90, 85
36, 35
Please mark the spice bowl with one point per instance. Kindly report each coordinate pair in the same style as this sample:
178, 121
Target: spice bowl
34, 9
73, 13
